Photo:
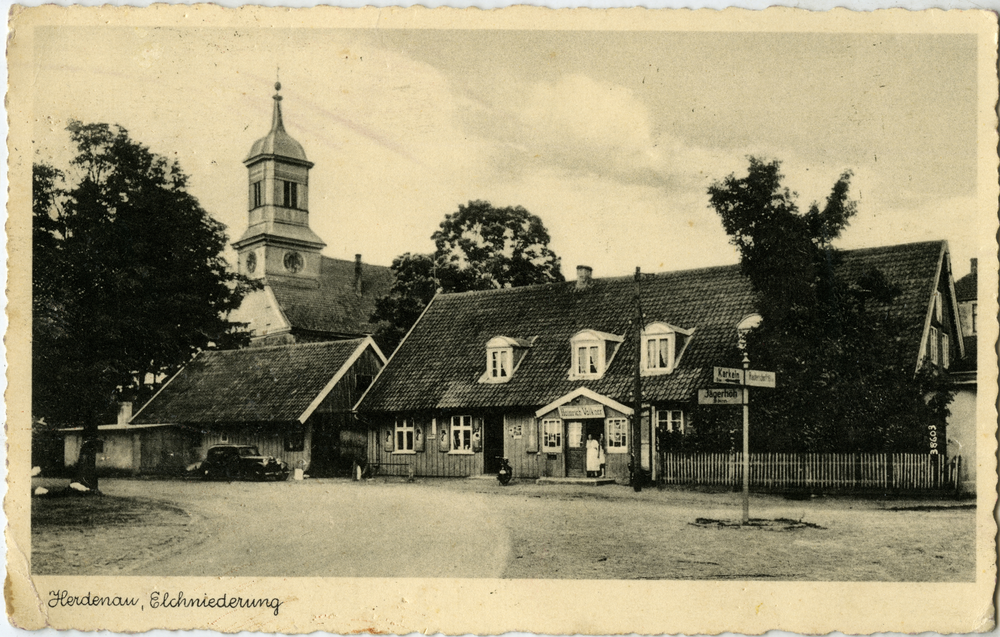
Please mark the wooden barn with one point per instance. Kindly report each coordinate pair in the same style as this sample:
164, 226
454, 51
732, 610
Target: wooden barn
292, 401
535, 373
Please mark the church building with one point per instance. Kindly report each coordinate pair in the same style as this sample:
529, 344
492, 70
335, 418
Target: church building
306, 297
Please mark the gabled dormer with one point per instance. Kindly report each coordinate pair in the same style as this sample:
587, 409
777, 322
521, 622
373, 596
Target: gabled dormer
662, 347
592, 353
503, 356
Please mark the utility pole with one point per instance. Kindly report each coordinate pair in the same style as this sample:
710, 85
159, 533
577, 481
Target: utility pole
636, 446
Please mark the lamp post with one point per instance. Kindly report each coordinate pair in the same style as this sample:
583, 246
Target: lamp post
746, 441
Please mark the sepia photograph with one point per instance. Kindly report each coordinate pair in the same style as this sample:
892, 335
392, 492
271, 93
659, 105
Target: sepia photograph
394, 320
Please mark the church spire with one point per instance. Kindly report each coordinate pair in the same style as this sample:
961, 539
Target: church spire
276, 123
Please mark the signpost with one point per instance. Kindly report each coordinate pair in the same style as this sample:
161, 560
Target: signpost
747, 378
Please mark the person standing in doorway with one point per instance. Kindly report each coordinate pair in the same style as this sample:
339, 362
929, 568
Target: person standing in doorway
593, 456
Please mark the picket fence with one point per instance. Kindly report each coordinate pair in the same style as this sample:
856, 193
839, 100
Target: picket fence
813, 471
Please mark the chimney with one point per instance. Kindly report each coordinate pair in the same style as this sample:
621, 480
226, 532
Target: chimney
973, 265
357, 274
124, 413
583, 275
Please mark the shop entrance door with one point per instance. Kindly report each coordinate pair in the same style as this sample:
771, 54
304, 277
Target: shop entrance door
576, 444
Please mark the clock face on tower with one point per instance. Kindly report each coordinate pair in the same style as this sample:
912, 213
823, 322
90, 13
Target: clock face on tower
251, 262
293, 261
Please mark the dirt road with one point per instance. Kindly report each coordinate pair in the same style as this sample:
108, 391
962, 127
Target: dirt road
475, 528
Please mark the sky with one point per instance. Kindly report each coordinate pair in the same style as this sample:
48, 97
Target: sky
612, 138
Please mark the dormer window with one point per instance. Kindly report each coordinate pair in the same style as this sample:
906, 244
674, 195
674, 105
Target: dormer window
662, 346
592, 353
503, 355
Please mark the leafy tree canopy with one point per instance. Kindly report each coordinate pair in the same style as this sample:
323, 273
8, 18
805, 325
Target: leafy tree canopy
845, 369
480, 247
128, 276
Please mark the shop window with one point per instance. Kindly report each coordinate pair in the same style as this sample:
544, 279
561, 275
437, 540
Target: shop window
671, 420
552, 436
617, 435
592, 353
404, 434
461, 434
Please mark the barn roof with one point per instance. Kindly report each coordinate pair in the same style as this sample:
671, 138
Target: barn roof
333, 305
440, 362
280, 383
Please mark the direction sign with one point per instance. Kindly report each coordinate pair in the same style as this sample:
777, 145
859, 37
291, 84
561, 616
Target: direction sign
728, 375
721, 396
756, 378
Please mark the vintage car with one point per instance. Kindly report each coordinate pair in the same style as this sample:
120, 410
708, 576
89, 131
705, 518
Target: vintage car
239, 462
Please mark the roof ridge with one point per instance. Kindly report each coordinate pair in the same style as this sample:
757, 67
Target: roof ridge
261, 348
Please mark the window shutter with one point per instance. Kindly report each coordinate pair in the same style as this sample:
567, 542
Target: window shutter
477, 434
444, 442
419, 431
532, 435
390, 440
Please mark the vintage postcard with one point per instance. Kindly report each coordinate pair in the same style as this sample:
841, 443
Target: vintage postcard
461, 321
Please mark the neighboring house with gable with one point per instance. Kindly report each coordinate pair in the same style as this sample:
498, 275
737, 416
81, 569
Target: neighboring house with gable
292, 401
962, 421
529, 373
305, 296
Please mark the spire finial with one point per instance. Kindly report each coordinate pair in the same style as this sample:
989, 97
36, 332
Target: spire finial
276, 123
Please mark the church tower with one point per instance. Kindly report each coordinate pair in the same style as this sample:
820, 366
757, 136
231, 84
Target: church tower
278, 242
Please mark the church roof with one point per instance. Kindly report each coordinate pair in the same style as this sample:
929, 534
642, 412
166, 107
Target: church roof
253, 385
277, 142
440, 362
333, 304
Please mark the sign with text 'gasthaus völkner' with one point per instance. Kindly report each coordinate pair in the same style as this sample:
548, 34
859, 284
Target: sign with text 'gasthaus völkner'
728, 376
721, 396
757, 378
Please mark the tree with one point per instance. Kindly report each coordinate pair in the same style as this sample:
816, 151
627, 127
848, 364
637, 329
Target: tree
480, 247
845, 367
128, 278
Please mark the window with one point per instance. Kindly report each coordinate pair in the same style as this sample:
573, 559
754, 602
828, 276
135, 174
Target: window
945, 351
662, 345
617, 435
500, 363
295, 439
932, 345
404, 435
461, 433
291, 194
502, 357
592, 353
670, 420
256, 195
552, 436
975, 308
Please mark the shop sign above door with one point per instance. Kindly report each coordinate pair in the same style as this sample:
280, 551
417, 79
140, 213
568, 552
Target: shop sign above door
567, 412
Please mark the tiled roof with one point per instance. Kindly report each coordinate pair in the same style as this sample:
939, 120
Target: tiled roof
965, 288
257, 384
440, 362
333, 306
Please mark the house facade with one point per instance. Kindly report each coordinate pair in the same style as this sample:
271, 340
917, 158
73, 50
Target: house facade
306, 297
961, 437
293, 402
533, 373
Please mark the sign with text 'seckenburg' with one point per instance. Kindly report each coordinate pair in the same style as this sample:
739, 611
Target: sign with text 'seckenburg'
757, 378
721, 396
